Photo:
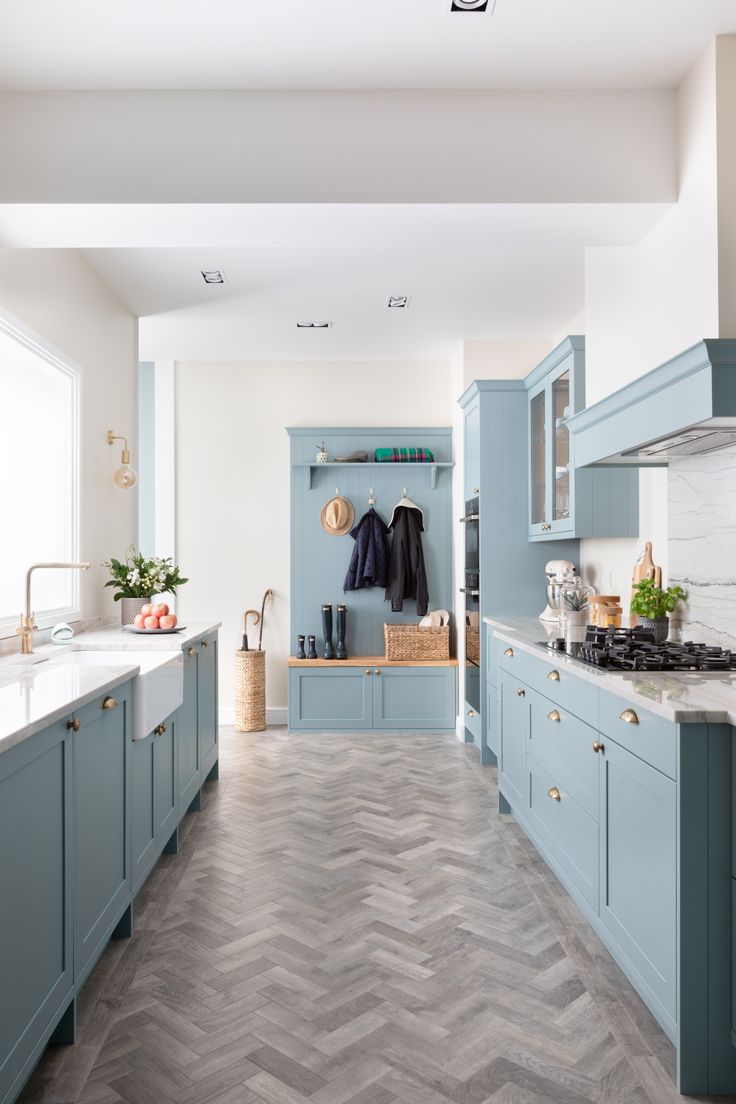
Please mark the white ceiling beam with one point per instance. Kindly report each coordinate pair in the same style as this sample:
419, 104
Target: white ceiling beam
338, 147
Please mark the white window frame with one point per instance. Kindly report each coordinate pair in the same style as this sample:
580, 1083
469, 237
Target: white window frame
18, 331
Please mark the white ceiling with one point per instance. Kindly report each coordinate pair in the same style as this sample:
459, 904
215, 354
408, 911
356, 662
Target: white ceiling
473, 271
340, 44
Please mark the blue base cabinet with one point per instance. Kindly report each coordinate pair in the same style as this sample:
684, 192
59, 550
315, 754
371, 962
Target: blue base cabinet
198, 740
371, 697
634, 814
36, 926
102, 884
155, 797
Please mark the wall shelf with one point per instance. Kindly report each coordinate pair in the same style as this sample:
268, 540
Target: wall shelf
431, 467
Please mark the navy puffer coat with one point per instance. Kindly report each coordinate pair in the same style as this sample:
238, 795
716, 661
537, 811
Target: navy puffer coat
369, 561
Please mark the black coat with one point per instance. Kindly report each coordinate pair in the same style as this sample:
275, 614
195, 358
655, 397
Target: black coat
369, 561
407, 576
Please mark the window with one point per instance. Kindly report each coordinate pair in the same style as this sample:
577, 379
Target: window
39, 476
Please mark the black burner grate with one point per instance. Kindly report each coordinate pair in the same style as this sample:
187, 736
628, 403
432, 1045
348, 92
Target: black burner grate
635, 650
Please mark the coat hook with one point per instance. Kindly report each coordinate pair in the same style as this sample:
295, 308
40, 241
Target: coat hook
371, 498
404, 492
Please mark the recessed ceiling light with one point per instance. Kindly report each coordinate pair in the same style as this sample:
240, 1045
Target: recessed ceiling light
313, 325
398, 302
472, 5
213, 276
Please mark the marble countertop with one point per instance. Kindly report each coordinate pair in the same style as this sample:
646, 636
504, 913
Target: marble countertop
39, 689
685, 698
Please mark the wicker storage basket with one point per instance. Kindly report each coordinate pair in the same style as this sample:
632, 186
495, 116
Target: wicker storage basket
410, 642
250, 691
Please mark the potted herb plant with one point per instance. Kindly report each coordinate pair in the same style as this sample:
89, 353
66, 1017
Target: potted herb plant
137, 580
652, 604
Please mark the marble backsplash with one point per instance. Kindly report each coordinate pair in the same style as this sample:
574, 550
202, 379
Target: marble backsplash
701, 549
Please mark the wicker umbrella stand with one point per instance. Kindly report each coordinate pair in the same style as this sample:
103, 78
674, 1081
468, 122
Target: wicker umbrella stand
250, 691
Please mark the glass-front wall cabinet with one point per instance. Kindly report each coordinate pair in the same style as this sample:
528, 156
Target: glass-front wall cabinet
553, 399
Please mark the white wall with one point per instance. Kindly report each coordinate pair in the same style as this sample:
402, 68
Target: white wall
60, 297
647, 303
232, 479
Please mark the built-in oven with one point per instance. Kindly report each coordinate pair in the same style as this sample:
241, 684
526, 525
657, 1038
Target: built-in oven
471, 591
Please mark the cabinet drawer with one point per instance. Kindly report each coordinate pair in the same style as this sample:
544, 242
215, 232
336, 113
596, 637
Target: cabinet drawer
554, 680
568, 832
645, 734
563, 744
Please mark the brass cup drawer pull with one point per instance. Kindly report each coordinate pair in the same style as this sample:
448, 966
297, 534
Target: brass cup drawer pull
598, 746
110, 703
554, 676
191, 651
555, 794
509, 652
521, 693
73, 725
553, 715
629, 717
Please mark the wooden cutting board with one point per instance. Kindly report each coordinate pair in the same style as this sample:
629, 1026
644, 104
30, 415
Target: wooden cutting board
645, 568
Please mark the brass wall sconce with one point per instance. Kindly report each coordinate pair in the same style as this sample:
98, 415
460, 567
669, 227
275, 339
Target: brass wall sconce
125, 476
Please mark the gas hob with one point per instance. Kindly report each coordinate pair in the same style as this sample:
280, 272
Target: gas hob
636, 650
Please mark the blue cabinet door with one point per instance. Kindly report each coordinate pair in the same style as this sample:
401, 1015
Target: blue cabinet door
165, 792
331, 699
36, 862
188, 735
143, 839
513, 718
472, 451
638, 901
207, 727
101, 801
422, 698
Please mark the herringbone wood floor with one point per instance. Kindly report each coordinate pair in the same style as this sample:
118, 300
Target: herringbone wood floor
349, 921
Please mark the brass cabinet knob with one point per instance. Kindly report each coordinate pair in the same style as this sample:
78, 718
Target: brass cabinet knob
509, 652
546, 527
377, 671
368, 671
597, 746
471, 712
553, 715
521, 693
554, 676
73, 725
629, 716
191, 651
555, 794
204, 643
110, 703
161, 729
476, 490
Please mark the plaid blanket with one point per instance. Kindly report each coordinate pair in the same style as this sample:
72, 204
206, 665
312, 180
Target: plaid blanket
404, 456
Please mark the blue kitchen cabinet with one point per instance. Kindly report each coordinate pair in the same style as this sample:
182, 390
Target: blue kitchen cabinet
565, 502
207, 720
189, 774
514, 719
329, 699
102, 872
142, 817
36, 899
638, 864
154, 798
414, 698
471, 445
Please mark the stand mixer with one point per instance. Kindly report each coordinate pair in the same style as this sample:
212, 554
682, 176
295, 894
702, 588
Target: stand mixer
559, 573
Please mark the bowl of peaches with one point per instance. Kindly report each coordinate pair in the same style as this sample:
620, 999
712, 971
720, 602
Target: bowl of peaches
155, 617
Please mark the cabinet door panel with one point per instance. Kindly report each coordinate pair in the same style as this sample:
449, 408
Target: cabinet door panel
639, 868
101, 780
415, 698
164, 781
513, 711
207, 703
568, 832
35, 896
330, 698
187, 735
143, 825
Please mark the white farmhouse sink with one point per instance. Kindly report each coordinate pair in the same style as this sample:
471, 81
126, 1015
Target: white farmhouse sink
157, 691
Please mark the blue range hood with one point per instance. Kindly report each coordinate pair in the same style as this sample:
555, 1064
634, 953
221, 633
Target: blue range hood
685, 407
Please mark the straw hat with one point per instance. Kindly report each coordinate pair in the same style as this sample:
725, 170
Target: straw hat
337, 516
